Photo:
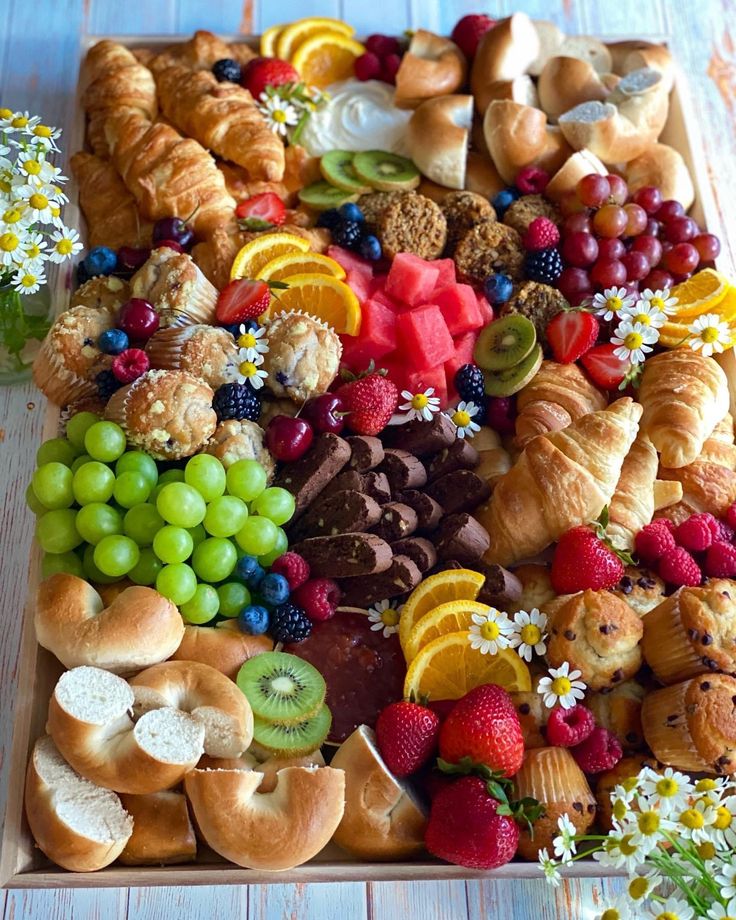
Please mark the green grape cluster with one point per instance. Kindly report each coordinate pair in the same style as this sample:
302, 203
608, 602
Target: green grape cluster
105, 513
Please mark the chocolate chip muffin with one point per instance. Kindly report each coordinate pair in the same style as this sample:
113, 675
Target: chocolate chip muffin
463, 210
412, 223
533, 716
540, 303
524, 210
642, 589
619, 710
487, 248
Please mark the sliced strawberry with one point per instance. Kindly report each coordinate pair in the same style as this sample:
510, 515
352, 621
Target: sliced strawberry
262, 72
241, 300
604, 368
571, 334
262, 212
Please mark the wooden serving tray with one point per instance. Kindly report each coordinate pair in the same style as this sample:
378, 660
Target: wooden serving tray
22, 865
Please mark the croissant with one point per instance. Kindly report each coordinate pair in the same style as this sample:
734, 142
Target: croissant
684, 394
114, 80
108, 207
558, 394
202, 51
561, 480
632, 505
494, 460
169, 175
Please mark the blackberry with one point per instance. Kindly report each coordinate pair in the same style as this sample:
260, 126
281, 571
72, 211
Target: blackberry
544, 266
289, 623
469, 384
227, 70
107, 384
331, 219
347, 234
238, 401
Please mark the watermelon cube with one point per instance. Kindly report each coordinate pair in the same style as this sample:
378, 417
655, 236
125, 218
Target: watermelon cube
411, 279
419, 381
459, 308
378, 326
424, 337
350, 261
388, 302
464, 346
486, 310
396, 370
446, 275
359, 283
357, 353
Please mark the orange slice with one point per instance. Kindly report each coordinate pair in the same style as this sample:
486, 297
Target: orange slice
262, 250
453, 585
703, 293
326, 58
292, 36
323, 296
454, 616
269, 39
449, 667
673, 334
300, 263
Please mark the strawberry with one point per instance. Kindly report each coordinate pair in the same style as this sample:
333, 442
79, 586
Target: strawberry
241, 300
261, 212
370, 401
604, 368
406, 733
262, 72
571, 334
484, 727
469, 30
585, 559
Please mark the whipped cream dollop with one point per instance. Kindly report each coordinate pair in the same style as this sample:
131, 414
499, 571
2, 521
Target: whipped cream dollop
358, 116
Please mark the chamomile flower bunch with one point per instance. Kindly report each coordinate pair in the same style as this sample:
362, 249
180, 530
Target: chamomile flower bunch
287, 107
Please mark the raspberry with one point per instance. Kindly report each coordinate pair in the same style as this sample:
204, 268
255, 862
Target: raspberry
723, 532
293, 567
532, 181
600, 751
367, 66
731, 516
666, 523
318, 598
653, 541
382, 45
389, 68
569, 727
696, 533
541, 234
720, 560
130, 364
677, 567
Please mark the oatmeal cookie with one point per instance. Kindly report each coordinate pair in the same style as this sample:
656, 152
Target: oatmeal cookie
413, 224
524, 210
374, 204
303, 357
489, 247
463, 210
538, 302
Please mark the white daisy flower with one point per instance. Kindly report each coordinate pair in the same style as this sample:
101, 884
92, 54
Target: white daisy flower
18, 121
621, 852
634, 340
646, 825
715, 787
528, 636
27, 282
44, 136
40, 202
562, 686
463, 418
610, 302
252, 342
642, 886
490, 631
15, 217
279, 114
645, 313
36, 171
619, 909
722, 912
550, 868
564, 845
668, 790
384, 616
694, 823
33, 249
250, 371
66, 245
11, 250
723, 830
726, 878
420, 405
674, 908
709, 334
661, 300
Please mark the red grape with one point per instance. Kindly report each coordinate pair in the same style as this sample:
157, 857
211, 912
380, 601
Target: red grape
619, 189
653, 227
577, 223
681, 229
610, 249
580, 249
571, 204
637, 265
681, 259
637, 220
608, 273
649, 198
610, 221
669, 209
593, 190
574, 282
666, 246
708, 246
657, 280
650, 246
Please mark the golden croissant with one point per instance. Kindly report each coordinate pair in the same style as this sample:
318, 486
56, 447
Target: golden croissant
561, 480
632, 505
684, 396
202, 51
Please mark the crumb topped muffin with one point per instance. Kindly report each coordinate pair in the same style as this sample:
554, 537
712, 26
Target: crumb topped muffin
176, 287
240, 440
208, 352
619, 710
303, 356
103, 291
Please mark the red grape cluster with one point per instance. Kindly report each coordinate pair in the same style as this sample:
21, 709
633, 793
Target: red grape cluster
613, 239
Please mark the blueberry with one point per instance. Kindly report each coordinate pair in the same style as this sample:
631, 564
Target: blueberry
100, 261
351, 211
253, 620
249, 570
227, 70
113, 341
503, 199
370, 247
274, 589
498, 289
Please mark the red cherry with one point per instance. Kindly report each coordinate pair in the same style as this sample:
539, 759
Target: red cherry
636, 264
288, 438
130, 259
708, 246
138, 319
170, 244
323, 413
649, 198
580, 249
668, 210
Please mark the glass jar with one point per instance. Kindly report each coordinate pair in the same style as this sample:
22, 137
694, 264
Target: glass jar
24, 321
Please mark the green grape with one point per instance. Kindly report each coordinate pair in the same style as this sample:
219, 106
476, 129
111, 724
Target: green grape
202, 607
177, 582
81, 460
207, 475
52, 484
104, 441
78, 426
141, 523
197, 533
282, 544
214, 559
93, 482
225, 516
136, 461
147, 568
56, 450
180, 504
171, 476
233, 597
116, 555
246, 479
173, 544
96, 521
275, 504
37, 507
61, 562
257, 536
56, 531
91, 572
131, 488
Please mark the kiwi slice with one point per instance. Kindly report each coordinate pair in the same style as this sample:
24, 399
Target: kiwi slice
282, 687
337, 168
386, 172
293, 738
512, 379
505, 342
322, 195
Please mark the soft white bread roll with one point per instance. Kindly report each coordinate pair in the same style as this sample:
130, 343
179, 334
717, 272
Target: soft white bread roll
274, 830
587, 48
162, 830
519, 136
432, 66
139, 628
207, 695
382, 819
437, 138
550, 37
78, 825
663, 167
565, 180
223, 646
566, 82
633, 55
481, 175
90, 722
506, 51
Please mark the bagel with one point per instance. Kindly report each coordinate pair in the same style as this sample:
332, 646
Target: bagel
432, 66
222, 646
382, 819
269, 766
565, 180
206, 694
481, 175
437, 138
274, 830
506, 51
587, 48
566, 82
78, 825
663, 167
550, 37
162, 830
90, 722
140, 627
519, 136
634, 55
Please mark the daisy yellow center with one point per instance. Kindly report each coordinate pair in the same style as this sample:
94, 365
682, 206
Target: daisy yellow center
5, 186
8, 242
490, 631
667, 787
709, 335
20, 121
461, 418
648, 822
5, 113
419, 401
705, 785
611, 914
643, 318
706, 850
638, 888
633, 340
33, 251
561, 686
279, 115
657, 303
626, 846
723, 818
389, 616
55, 210
247, 341
620, 810
692, 819
531, 634
630, 783
707, 800
64, 247
28, 280
42, 131
32, 167
248, 369
12, 216
38, 201
667, 915
614, 303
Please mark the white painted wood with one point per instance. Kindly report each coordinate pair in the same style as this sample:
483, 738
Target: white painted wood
428, 900
283, 902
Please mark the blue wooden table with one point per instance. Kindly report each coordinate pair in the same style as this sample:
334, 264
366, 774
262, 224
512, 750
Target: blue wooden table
39, 47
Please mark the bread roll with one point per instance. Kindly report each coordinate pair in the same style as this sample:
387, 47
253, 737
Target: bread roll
633, 55
223, 647
663, 167
162, 830
519, 136
566, 82
437, 138
550, 37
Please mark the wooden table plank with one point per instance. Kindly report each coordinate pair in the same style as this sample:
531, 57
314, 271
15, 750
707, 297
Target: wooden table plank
428, 900
294, 902
200, 903
67, 904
